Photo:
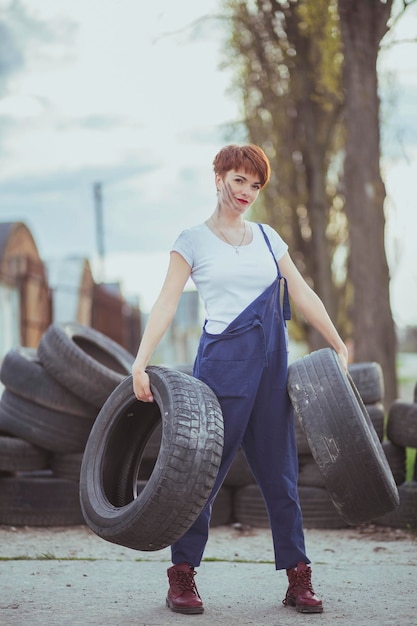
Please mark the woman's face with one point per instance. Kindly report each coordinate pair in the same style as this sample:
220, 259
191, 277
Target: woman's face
238, 190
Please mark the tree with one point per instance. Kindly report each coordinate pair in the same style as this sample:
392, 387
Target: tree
363, 25
288, 74
294, 83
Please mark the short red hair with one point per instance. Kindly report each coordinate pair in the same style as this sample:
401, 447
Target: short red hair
250, 159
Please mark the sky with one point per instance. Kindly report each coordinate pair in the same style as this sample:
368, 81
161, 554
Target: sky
135, 96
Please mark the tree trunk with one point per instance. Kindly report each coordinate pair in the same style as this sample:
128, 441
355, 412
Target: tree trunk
313, 123
363, 24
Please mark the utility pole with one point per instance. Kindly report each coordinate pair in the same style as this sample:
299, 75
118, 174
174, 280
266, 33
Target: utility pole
98, 205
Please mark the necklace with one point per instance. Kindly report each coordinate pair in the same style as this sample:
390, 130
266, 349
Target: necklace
227, 240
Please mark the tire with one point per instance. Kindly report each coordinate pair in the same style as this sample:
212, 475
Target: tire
318, 509
396, 457
153, 445
84, 360
67, 466
316, 505
377, 416
23, 373
17, 455
303, 447
405, 516
402, 424
249, 506
39, 501
146, 468
309, 474
221, 513
342, 439
184, 473
239, 473
368, 379
50, 430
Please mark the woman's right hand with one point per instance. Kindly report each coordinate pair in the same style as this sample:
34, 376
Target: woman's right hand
141, 384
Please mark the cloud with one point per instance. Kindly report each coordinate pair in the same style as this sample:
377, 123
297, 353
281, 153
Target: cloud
11, 57
26, 38
97, 122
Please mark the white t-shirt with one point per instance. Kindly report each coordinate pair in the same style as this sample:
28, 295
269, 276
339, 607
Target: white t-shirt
228, 282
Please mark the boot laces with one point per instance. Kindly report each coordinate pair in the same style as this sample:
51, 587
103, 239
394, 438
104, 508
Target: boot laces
185, 580
304, 579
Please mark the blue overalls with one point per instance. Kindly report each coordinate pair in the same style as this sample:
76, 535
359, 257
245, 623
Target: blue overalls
246, 367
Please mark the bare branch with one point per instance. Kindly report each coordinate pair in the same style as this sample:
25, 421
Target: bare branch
189, 27
390, 44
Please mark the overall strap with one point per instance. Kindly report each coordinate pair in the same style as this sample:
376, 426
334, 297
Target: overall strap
286, 309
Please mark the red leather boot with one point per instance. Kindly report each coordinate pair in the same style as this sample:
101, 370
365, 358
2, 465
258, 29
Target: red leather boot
183, 596
300, 592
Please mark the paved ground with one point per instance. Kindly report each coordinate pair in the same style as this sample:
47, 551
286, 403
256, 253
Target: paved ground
70, 577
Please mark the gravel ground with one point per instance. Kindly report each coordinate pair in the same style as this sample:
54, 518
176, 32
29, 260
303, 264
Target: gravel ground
69, 576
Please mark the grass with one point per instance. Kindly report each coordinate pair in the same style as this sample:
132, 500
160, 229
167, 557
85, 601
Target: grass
51, 557
214, 559
410, 463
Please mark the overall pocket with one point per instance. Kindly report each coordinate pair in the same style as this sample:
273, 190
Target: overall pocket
228, 379
228, 362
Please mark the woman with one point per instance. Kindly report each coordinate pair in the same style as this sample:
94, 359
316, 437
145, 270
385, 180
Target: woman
239, 269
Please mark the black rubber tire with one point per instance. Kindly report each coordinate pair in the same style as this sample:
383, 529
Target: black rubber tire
402, 424
405, 516
303, 447
369, 381
396, 457
309, 473
153, 445
184, 473
221, 513
249, 507
318, 509
146, 468
84, 360
33, 500
377, 416
341, 436
17, 455
67, 466
239, 473
48, 429
23, 373
415, 394
316, 505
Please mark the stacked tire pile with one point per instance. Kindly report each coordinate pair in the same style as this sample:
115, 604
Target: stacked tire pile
316, 504
51, 399
401, 433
